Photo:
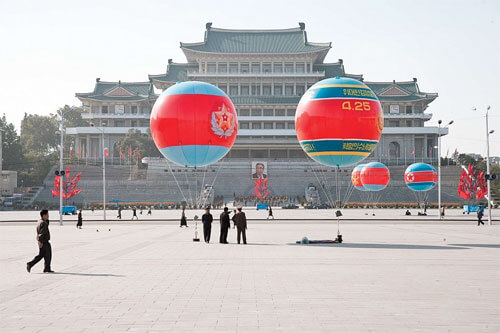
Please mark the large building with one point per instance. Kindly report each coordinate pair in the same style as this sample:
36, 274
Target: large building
265, 72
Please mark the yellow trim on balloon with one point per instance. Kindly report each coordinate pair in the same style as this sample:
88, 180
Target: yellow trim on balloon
357, 153
341, 86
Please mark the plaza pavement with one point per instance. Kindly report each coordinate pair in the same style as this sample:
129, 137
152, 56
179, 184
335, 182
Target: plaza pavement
396, 276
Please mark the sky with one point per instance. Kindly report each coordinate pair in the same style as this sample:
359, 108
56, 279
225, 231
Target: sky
49, 50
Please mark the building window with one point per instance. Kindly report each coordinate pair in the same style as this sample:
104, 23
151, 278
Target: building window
245, 90
133, 109
279, 112
278, 68
145, 110
290, 112
211, 68
104, 123
299, 68
393, 123
244, 125
266, 90
256, 126
289, 68
222, 68
223, 87
278, 90
255, 68
233, 90
259, 153
408, 123
256, 112
133, 123
119, 123
244, 68
95, 109
288, 90
255, 90
418, 108
409, 109
300, 90
291, 125
268, 125
244, 112
268, 112
394, 108
233, 68
104, 109
280, 125
394, 151
266, 68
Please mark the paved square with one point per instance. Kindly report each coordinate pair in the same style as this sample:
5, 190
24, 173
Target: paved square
150, 276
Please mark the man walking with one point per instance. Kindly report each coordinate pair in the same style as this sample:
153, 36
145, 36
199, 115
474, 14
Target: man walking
134, 213
119, 213
80, 220
480, 215
270, 216
207, 219
240, 220
43, 238
225, 224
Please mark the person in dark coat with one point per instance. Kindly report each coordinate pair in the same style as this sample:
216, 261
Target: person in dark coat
119, 213
149, 210
183, 218
43, 238
240, 220
207, 219
270, 216
134, 213
480, 215
225, 224
80, 220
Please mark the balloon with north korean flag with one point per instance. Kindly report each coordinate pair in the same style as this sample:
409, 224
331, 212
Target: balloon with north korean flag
194, 124
339, 121
420, 177
375, 176
356, 178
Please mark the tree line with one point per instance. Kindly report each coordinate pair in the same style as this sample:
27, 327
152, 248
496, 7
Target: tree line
35, 149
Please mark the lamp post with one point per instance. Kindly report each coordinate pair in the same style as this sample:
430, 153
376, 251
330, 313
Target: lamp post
103, 171
488, 132
439, 165
61, 174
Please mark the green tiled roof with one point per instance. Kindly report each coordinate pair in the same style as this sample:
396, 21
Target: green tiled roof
248, 100
175, 72
331, 70
256, 41
410, 87
140, 91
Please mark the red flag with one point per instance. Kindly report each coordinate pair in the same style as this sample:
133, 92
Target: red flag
412, 153
121, 153
71, 151
106, 152
130, 151
138, 153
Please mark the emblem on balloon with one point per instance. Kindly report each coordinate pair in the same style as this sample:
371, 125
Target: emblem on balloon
222, 122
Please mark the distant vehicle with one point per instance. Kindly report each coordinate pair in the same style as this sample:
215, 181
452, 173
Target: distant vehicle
8, 202
289, 206
472, 208
320, 206
67, 210
262, 206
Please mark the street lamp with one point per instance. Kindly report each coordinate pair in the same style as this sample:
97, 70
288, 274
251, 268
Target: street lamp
61, 172
488, 132
103, 171
439, 165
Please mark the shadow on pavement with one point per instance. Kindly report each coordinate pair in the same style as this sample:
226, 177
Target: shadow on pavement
496, 246
388, 246
86, 274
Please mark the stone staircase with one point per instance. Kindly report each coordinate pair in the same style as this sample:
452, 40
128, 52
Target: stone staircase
31, 195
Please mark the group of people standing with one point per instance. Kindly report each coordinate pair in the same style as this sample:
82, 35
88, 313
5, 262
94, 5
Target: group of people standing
239, 219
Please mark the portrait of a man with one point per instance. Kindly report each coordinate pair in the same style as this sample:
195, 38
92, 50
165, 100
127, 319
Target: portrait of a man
259, 170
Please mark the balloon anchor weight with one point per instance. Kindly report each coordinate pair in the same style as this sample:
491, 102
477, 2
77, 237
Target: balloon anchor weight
196, 239
338, 213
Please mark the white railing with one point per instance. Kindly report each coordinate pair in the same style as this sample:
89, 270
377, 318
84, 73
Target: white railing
115, 116
260, 74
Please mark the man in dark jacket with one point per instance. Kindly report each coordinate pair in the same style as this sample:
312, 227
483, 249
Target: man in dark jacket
240, 220
225, 224
480, 215
207, 219
43, 238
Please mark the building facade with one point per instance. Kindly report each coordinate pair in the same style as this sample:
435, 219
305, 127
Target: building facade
265, 73
112, 108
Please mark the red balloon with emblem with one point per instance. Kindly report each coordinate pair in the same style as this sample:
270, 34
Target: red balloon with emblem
375, 176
